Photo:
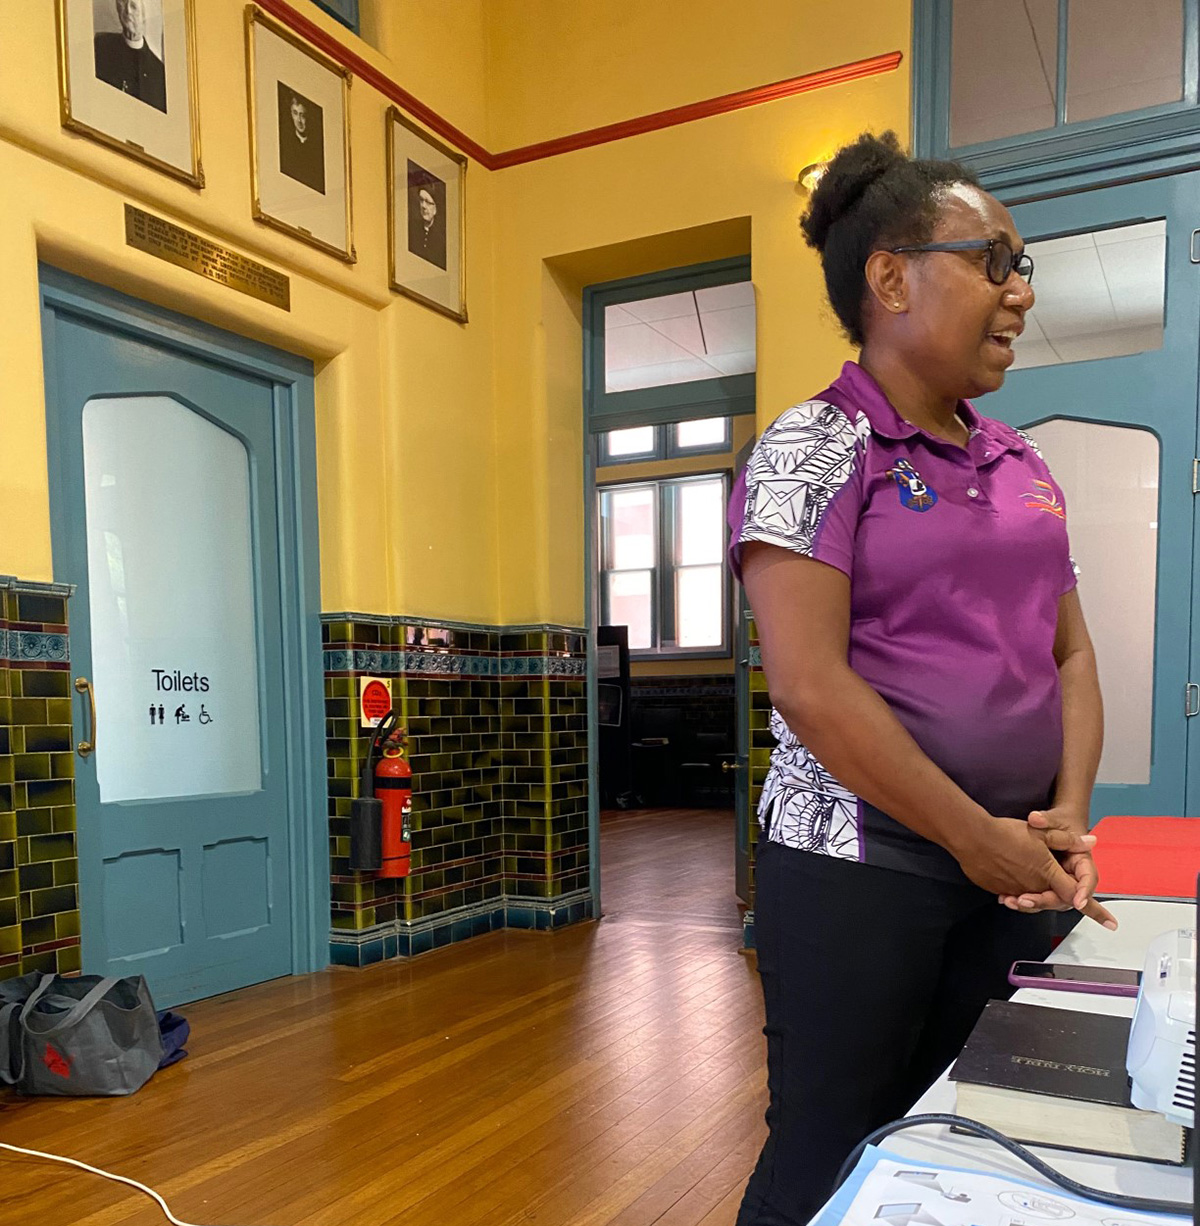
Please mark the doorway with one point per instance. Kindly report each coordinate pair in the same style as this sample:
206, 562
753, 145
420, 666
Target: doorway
182, 464
1106, 382
669, 385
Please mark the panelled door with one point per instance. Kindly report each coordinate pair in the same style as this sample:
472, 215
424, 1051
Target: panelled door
1106, 382
167, 520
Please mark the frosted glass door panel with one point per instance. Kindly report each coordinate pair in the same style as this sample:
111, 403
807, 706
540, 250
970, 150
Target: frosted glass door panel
1109, 475
170, 572
1098, 295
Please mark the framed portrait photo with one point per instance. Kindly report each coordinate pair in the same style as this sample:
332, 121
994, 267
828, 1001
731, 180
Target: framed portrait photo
426, 217
299, 137
127, 78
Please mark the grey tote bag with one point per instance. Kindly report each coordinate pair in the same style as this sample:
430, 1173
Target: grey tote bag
82, 1036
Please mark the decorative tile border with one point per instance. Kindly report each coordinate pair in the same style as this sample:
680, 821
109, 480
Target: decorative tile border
29, 646
450, 663
408, 940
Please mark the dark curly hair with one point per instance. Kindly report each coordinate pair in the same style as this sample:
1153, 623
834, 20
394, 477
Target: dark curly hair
872, 196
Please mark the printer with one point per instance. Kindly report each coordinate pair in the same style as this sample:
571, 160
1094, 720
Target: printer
1161, 1058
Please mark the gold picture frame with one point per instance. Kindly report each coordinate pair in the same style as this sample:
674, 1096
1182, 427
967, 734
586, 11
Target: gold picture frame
91, 107
434, 275
281, 196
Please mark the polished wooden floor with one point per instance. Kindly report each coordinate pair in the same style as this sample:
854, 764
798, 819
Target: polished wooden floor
609, 1073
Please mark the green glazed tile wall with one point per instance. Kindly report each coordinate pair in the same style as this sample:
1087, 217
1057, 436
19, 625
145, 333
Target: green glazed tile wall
453, 724
39, 871
498, 748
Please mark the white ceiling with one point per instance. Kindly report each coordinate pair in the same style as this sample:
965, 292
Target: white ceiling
1098, 295
679, 338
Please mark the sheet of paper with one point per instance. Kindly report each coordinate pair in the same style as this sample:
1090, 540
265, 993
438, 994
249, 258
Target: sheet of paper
887, 1191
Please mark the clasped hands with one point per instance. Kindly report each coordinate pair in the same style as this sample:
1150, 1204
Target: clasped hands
1049, 849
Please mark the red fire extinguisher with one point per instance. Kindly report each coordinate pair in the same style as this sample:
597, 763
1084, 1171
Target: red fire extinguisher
393, 786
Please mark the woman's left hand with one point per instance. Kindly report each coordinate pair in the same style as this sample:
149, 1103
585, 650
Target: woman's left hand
1063, 829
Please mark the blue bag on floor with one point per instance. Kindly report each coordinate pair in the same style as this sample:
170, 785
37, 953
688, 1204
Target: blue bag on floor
174, 1030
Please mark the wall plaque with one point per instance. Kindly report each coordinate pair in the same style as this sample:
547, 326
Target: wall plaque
178, 246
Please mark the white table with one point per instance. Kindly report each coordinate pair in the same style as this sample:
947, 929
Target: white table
1139, 923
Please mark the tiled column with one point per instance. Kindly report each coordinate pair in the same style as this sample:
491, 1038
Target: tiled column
497, 728
10, 889
544, 744
39, 869
567, 764
363, 906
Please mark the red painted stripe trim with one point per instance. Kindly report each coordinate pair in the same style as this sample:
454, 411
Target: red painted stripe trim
702, 110
338, 51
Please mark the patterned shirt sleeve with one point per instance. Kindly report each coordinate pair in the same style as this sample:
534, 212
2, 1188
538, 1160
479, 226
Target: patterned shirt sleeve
799, 488
1071, 573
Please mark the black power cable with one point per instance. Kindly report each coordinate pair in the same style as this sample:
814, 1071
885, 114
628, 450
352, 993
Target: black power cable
1144, 1203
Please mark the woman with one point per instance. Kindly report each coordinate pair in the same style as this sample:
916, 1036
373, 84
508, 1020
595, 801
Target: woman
934, 687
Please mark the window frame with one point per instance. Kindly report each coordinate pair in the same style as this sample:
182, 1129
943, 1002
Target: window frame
726, 396
662, 588
345, 12
665, 446
1088, 153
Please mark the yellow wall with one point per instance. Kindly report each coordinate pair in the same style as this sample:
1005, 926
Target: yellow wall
475, 433
404, 396
561, 68
568, 220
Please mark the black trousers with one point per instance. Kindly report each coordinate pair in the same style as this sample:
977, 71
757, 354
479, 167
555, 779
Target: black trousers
872, 981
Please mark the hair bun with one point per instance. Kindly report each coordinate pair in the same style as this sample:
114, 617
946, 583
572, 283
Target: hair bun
852, 171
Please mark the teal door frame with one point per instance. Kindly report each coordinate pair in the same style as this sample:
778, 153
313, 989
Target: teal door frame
1154, 390
603, 411
291, 379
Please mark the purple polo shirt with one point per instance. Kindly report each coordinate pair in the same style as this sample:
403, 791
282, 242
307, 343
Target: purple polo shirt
957, 558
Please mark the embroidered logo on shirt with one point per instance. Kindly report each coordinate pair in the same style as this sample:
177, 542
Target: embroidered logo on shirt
914, 493
1043, 498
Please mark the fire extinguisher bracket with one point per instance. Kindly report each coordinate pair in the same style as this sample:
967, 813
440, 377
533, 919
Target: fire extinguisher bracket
366, 811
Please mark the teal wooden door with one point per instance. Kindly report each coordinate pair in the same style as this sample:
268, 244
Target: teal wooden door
167, 520
1119, 433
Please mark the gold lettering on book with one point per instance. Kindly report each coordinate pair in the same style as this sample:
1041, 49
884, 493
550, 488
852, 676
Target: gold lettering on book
201, 255
1066, 1068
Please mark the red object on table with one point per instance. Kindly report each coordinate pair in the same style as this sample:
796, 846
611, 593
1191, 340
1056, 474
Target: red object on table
1154, 857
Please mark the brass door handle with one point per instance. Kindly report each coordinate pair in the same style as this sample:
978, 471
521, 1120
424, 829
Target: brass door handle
84, 686
726, 767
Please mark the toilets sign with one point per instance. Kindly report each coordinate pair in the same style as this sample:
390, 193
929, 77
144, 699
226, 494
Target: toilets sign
171, 684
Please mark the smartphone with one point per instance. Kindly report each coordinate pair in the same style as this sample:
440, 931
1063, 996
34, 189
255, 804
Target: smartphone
1105, 980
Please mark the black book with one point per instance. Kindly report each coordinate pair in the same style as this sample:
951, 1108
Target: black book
1057, 1077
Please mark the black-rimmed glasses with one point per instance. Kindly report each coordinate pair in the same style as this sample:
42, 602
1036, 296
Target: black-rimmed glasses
1002, 261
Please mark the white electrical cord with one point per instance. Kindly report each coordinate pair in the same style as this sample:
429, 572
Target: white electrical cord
83, 1166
